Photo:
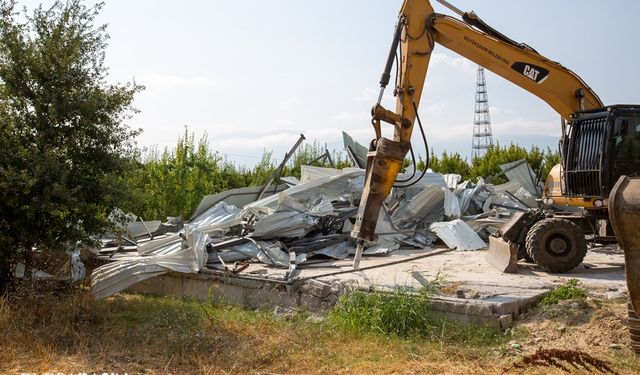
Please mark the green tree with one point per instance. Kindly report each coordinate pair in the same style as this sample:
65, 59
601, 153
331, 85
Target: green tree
310, 154
488, 166
173, 183
63, 140
450, 163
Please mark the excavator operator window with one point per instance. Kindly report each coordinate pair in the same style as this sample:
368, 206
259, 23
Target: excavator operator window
626, 148
627, 140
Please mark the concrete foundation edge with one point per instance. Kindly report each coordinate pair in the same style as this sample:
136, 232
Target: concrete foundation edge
317, 296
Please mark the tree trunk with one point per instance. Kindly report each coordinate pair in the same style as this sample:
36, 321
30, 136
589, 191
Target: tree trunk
6, 276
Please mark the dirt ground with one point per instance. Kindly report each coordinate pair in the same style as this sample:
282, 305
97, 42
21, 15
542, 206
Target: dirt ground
594, 326
161, 335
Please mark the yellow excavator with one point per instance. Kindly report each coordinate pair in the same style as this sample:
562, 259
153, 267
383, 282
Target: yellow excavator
600, 145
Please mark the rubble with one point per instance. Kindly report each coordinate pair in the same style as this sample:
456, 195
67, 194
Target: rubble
312, 218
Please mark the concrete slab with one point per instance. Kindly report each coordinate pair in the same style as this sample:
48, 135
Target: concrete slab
472, 290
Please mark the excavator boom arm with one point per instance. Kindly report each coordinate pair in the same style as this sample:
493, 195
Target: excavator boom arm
419, 29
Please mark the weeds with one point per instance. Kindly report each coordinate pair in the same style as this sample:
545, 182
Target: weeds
142, 334
571, 290
406, 314
399, 313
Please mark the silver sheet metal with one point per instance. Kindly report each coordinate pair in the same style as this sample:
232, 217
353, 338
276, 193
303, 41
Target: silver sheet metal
356, 151
236, 197
452, 180
427, 205
521, 172
346, 185
457, 234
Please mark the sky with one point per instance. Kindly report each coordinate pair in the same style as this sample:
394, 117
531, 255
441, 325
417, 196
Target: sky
255, 74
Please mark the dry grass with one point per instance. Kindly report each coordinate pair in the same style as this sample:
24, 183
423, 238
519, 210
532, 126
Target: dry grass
69, 332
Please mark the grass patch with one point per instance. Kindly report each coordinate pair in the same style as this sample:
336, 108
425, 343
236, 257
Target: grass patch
70, 332
571, 290
406, 314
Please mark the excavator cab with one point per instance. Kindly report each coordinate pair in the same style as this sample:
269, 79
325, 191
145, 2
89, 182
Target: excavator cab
601, 146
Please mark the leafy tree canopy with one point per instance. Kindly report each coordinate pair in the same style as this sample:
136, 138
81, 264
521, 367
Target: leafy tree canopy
63, 140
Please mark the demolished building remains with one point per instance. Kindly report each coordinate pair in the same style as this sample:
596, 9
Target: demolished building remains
312, 218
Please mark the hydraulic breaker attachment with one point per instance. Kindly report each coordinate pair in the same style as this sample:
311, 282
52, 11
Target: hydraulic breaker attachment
624, 213
384, 161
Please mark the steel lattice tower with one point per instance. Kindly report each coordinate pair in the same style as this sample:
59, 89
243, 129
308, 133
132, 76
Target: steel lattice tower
482, 137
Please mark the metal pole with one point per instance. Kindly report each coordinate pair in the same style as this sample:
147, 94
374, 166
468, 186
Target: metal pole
278, 170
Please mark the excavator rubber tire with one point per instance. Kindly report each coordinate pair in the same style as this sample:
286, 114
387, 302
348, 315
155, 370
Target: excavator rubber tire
523, 254
634, 330
556, 245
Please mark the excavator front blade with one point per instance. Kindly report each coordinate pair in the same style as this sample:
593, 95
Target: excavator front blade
502, 255
624, 213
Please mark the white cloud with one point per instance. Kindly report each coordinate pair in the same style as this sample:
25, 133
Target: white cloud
290, 103
434, 108
369, 95
453, 61
351, 116
169, 81
522, 126
254, 144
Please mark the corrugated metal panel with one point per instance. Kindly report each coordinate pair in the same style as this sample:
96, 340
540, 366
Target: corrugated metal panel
237, 197
521, 172
511, 186
355, 150
457, 234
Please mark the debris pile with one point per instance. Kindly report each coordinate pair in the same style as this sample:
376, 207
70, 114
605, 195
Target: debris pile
311, 218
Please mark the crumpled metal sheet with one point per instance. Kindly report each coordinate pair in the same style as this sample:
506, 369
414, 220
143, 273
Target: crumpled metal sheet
429, 179
237, 197
340, 250
114, 277
290, 180
265, 251
485, 226
452, 180
521, 172
355, 150
292, 224
451, 205
311, 173
291, 218
167, 254
510, 186
346, 185
427, 205
506, 203
472, 200
526, 197
457, 234
218, 213
419, 240
388, 237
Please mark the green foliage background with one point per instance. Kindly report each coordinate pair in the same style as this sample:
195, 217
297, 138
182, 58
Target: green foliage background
172, 182
488, 166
